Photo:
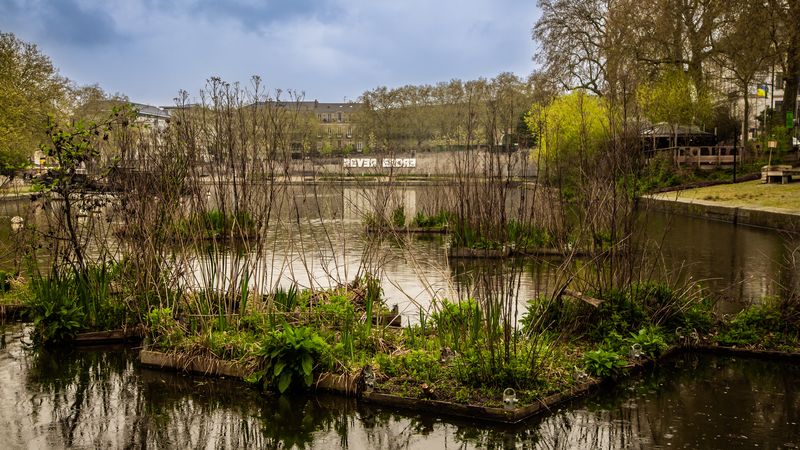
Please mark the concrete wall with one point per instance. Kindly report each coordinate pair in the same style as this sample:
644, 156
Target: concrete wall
427, 164
757, 217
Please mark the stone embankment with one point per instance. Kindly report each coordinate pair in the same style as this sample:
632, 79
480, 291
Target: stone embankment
775, 218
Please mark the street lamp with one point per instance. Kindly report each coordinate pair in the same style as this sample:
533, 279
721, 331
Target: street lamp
735, 151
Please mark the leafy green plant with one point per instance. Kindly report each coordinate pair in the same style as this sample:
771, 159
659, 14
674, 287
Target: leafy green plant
5, 281
288, 357
753, 325
651, 339
524, 235
603, 363
56, 311
458, 323
163, 327
64, 303
337, 308
439, 220
286, 299
418, 364
399, 217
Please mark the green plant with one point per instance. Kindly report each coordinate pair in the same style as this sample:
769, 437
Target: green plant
618, 313
5, 281
337, 309
651, 340
288, 357
56, 311
163, 327
286, 300
603, 363
63, 303
525, 235
458, 323
399, 217
439, 220
418, 364
753, 325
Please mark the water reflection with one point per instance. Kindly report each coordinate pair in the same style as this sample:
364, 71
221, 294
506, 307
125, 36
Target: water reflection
319, 241
101, 398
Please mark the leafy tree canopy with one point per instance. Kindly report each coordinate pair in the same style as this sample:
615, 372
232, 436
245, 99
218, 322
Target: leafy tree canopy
569, 124
674, 99
30, 90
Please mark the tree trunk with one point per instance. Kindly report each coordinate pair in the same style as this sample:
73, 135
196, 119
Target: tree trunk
746, 121
792, 75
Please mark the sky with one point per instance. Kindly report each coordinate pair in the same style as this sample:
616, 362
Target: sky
329, 50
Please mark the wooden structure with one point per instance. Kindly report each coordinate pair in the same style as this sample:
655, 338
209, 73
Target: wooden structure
779, 173
706, 157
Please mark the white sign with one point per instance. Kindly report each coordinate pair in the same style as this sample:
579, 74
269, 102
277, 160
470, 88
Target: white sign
359, 162
373, 162
400, 162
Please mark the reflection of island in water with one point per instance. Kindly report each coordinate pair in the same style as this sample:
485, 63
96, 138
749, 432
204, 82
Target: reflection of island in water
100, 398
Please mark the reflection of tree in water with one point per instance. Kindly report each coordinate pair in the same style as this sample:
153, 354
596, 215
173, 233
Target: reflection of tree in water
102, 399
84, 396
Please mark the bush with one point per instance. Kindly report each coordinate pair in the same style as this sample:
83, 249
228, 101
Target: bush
63, 304
618, 313
57, 313
417, 364
163, 327
458, 322
557, 315
759, 324
651, 340
5, 281
288, 358
439, 220
603, 363
478, 369
399, 217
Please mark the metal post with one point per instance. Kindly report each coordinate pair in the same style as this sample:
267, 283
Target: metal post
735, 151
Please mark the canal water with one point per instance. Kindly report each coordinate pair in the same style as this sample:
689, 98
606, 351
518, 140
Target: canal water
318, 240
102, 398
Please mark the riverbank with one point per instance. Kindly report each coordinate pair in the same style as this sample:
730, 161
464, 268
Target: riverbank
750, 203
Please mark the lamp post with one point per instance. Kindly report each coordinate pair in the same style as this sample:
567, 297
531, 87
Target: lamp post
772, 144
735, 151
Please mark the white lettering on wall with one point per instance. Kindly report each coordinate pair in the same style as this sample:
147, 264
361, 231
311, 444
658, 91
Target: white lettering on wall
373, 162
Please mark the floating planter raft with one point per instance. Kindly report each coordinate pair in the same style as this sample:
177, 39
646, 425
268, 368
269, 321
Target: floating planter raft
412, 230
464, 252
392, 319
196, 364
353, 385
550, 251
358, 385
346, 384
105, 337
13, 311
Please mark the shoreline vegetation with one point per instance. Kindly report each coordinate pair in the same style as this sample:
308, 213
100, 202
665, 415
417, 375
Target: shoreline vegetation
294, 338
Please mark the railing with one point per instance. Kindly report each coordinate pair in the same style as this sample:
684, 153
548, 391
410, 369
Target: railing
704, 155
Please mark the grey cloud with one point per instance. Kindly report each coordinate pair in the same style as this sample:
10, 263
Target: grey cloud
253, 14
62, 21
